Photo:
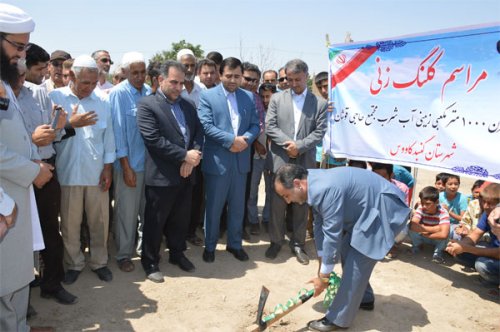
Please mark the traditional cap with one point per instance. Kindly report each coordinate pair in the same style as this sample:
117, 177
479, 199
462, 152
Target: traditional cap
85, 61
15, 20
132, 57
60, 55
183, 52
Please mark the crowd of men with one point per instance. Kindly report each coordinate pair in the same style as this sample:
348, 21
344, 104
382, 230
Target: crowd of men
177, 145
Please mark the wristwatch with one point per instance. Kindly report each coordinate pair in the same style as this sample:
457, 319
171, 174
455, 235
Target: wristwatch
4, 103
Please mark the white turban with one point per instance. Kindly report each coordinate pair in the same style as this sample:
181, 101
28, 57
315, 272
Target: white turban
15, 20
84, 61
183, 52
132, 57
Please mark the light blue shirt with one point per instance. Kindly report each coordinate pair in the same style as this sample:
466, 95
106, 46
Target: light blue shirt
129, 143
457, 205
81, 158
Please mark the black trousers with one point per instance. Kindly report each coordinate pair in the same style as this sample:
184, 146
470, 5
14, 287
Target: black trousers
197, 203
48, 200
168, 211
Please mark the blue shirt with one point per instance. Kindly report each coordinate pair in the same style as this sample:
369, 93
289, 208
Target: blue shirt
483, 225
80, 159
403, 175
457, 205
128, 140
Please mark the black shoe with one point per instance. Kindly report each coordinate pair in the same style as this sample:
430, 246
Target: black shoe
35, 282
273, 250
183, 263
71, 276
104, 273
254, 229
239, 254
194, 240
208, 256
301, 255
245, 236
323, 325
62, 296
369, 306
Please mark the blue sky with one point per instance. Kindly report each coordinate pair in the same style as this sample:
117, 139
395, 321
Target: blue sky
267, 33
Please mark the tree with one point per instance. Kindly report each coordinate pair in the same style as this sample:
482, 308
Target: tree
176, 47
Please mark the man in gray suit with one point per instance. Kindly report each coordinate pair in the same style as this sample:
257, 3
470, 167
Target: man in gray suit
357, 215
18, 171
295, 123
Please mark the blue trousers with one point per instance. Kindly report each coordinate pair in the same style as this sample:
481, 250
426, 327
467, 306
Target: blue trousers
487, 267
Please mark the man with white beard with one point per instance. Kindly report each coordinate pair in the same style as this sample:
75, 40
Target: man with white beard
191, 90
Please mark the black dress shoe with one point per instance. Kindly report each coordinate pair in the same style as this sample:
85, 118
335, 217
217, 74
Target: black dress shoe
323, 325
369, 306
62, 296
104, 273
208, 256
239, 254
273, 250
254, 229
183, 263
301, 255
70, 276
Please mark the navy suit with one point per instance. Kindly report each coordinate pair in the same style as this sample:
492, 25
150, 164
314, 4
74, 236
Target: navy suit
168, 195
225, 171
357, 215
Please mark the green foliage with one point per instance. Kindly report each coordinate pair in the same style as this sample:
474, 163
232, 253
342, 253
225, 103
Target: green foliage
176, 47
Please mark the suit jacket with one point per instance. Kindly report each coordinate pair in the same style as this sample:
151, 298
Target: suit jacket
219, 135
17, 173
359, 202
280, 128
165, 144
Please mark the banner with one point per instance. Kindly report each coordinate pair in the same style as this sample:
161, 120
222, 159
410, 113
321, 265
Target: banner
429, 100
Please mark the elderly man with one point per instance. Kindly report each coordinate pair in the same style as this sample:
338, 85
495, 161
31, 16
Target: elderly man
104, 62
173, 137
55, 70
17, 174
191, 90
84, 164
357, 214
230, 124
130, 153
295, 123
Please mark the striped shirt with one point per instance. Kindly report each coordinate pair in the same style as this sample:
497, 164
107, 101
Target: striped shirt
439, 218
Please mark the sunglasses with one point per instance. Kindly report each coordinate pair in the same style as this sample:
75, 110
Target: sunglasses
281, 79
249, 79
19, 47
106, 60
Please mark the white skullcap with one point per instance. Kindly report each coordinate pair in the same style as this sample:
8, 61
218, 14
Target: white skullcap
15, 20
84, 61
132, 57
183, 52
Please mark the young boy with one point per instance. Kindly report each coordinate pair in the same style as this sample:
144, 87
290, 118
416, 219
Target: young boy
430, 224
440, 181
454, 202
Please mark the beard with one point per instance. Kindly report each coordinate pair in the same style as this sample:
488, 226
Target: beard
8, 72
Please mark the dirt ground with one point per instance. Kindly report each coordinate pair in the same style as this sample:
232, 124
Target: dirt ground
412, 294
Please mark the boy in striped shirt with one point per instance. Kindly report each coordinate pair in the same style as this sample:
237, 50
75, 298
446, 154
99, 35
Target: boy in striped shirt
430, 224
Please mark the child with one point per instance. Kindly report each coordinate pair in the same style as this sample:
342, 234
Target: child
472, 213
430, 224
440, 180
454, 202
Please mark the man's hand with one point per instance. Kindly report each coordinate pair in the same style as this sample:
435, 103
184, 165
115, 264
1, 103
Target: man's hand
186, 169
7, 222
83, 119
61, 122
462, 230
43, 135
259, 148
106, 177
44, 175
239, 144
129, 177
291, 149
319, 285
193, 157
455, 248
3, 227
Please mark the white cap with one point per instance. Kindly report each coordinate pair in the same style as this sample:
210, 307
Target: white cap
84, 61
132, 57
15, 20
183, 52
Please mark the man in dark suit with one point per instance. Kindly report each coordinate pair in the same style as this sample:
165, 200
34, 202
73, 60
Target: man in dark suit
173, 137
295, 123
230, 124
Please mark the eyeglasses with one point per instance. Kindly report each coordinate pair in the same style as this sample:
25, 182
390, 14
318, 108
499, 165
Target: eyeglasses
249, 79
19, 47
281, 79
106, 60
